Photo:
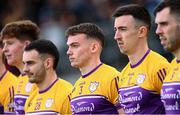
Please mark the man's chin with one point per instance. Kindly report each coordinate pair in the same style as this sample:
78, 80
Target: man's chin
123, 52
74, 65
169, 49
32, 81
11, 63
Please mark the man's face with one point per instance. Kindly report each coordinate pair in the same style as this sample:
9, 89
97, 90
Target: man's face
34, 66
126, 33
79, 50
13, 50
168, 28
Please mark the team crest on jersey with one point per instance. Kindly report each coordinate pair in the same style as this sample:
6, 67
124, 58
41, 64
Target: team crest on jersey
93, 86
28, 87
49, 102
140, 78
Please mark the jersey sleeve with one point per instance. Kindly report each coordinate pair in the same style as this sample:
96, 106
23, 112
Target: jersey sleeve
159, 74
119, 81
63, 100
113, 89
8, 98
66, 107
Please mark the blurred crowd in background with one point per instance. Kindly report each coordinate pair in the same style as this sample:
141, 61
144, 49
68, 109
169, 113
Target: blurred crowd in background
55, 16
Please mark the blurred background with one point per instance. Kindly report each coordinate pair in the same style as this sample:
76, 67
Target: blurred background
55, 16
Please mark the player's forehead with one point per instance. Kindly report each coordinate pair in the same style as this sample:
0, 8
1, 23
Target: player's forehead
162, 15
8, 38
125, 20
32, 54
78, 38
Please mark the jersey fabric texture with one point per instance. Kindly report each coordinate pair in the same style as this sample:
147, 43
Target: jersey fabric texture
22, 92
96, 92
140, 85
7, 84
170, 94
53, 100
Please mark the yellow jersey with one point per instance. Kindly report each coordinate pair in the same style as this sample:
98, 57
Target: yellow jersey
53, 100
22, 92
140, 85
7, 84
96, 92
170, 93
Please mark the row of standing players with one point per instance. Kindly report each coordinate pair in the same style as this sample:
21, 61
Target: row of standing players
147, 85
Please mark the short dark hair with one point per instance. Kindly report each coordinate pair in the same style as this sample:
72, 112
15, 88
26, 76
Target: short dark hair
22, 30
138, 12
44, 47
90, 29
174, 6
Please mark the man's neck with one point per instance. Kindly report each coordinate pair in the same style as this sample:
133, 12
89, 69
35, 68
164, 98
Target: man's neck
137, 56
177, 54
89, 67
20, 67
2, 69
49, 79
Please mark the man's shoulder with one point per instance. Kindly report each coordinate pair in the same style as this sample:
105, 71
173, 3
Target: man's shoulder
64, 84
109, 68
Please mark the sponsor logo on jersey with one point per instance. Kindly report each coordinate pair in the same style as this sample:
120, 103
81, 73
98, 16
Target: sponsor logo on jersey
82, 107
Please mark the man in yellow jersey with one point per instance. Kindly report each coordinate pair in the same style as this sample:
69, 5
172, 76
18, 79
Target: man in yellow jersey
52, 95
141, 80
7, 83
15, 36
168, 28
96, 90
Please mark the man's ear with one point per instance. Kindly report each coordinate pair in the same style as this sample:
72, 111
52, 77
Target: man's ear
142, 31
48, 63
26, 42
95, 46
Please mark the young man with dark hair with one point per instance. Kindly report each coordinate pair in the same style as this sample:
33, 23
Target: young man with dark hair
141, 79
40, 59
95, 92
167, 18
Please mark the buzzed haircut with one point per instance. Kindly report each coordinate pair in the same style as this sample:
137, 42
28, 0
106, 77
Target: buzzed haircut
44, 47
138, 12
91, 30
22, 30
